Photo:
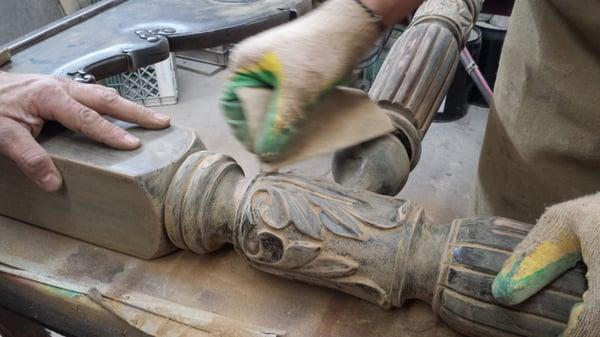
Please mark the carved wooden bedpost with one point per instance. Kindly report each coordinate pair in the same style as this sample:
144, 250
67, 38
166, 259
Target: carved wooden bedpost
410, 85
318, 233
378, 248
381, 249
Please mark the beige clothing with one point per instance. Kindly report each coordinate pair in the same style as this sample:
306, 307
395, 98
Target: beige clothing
542, 143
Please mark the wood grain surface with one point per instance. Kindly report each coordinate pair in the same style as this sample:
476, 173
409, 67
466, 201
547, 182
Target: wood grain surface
113, 198
221, 283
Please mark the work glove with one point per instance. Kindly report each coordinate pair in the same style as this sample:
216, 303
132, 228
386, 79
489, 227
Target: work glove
565, 234
301, 61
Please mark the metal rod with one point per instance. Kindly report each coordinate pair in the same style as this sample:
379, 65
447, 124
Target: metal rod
473, 70
58, 26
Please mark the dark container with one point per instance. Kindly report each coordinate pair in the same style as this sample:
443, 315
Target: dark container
492, 40
456, 103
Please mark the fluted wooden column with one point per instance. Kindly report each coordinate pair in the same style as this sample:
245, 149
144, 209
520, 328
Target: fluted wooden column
410, 85
419, 68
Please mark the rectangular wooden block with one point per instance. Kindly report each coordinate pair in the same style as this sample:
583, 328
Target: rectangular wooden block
109, 197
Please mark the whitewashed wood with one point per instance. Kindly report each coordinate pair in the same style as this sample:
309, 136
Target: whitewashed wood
111, 198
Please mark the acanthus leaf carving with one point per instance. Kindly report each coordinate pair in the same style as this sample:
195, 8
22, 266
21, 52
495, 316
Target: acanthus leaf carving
316, 233
278, 219
302, 251
300, 256
330, 266
365, 288
338, 227
280, 208
310, 209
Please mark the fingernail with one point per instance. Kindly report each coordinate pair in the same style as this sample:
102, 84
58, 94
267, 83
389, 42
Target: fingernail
50, 182
132, 140
162, 117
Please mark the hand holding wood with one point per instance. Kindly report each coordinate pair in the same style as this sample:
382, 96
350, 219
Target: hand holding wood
565, 234
27, 101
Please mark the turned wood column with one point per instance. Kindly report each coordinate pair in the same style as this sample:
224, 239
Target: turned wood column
411, 85
382, 249
319, 233
419, 68
378, 248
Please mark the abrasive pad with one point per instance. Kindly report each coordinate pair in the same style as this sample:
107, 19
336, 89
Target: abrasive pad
345, 117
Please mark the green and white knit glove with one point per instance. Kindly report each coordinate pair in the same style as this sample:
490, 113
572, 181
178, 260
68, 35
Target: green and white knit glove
301, 61
565, 234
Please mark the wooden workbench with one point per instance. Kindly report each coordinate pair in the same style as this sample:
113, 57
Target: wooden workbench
221, 283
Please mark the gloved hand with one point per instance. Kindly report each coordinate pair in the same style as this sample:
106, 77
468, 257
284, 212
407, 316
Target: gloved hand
300, 61
565, 234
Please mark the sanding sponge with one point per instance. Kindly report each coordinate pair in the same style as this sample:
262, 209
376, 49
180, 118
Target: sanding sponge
345, 117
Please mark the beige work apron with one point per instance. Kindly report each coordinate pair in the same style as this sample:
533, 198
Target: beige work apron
542, 143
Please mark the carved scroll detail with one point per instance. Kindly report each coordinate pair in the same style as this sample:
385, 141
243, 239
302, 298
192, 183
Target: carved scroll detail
377, 248
318, 233
302, 256
309, 262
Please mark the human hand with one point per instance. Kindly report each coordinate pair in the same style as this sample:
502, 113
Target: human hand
27, 101
300, 61
565, 234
